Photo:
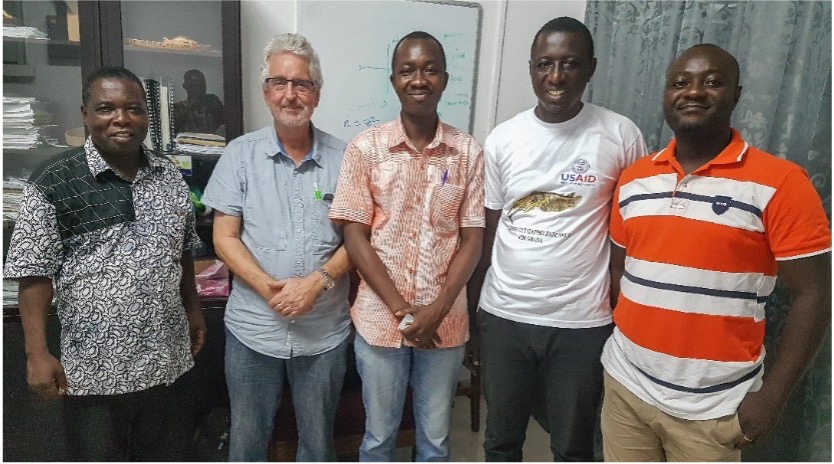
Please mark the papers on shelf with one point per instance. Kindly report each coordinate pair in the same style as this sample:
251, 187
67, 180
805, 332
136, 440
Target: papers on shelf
195, 142
12, 194
23, 119
24, 32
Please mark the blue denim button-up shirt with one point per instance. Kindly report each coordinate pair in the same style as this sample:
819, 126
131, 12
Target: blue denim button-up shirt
287, 230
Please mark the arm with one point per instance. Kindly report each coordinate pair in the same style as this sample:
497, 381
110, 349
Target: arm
191, 301
427, 318
808, 280
229, 247
44, 372
616, 267
370, 266
476, 282
297, 295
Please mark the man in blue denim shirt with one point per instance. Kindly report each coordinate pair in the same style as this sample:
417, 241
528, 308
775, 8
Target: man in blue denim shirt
287, 316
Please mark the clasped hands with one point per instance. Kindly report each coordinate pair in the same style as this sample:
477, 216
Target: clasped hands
295, 296
422, 332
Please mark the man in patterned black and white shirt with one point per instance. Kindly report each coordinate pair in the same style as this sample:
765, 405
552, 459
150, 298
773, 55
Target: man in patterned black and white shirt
112, 226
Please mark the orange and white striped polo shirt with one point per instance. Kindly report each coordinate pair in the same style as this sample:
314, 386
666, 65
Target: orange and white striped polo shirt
701, 260
416, 204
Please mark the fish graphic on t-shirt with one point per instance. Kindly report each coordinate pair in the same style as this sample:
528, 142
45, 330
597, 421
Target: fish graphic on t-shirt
545, 201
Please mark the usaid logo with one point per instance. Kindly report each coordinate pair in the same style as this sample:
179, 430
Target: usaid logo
579, 168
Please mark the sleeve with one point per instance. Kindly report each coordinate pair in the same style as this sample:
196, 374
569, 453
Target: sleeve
472, 210
794, 219
636, 150
617, 230
35, 248
352, 201
227, 184
191, 240
493, 185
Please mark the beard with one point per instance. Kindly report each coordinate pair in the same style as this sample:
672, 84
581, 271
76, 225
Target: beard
283, 117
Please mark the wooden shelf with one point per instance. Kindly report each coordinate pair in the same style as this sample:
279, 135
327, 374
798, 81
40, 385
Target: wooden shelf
174, 51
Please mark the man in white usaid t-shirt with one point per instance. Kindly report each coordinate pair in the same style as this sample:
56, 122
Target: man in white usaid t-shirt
545, 311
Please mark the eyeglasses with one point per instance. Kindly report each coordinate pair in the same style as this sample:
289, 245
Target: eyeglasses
279, 84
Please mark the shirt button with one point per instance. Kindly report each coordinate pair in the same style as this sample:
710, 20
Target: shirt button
411, 270
413, 235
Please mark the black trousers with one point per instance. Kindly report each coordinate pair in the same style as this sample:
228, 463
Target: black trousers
553, 372
141, 426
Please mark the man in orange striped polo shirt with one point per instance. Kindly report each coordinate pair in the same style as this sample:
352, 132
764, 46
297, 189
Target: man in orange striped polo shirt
701, 230
411, 194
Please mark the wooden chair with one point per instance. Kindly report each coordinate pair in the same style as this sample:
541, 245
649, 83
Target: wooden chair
472, 388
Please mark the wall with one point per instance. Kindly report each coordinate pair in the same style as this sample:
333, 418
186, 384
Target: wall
503, 82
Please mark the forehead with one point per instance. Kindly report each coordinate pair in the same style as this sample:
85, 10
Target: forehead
288, 65
411, 49
703, 60
115, 87
561, 42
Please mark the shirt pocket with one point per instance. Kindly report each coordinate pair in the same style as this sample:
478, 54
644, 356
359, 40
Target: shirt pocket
445, 205
327, 234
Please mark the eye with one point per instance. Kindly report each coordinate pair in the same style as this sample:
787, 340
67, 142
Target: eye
104, 110
137, 110
713, 83
406, 72
679, 84
431, 70
544, 65
570, 64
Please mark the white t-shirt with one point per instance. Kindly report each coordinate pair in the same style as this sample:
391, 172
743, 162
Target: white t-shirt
553, 184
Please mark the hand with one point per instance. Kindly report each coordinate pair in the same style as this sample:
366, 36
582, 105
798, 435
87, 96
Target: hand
45, 375
296, 296
758, 414
423, 331
196, 330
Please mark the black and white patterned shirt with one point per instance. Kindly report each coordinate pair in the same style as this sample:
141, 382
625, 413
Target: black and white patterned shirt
113, 249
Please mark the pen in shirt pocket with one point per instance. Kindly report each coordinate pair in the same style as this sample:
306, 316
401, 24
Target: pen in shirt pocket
316, 192
445, 177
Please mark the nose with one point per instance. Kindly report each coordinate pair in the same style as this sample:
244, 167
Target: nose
696, 90
121, 116
556, 76
290, 93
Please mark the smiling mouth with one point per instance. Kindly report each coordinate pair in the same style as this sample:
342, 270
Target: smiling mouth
556, 93
687, 106
122, 135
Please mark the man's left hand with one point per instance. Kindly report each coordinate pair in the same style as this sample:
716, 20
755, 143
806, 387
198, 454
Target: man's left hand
196, 330
296, 295
423, 331
758, 414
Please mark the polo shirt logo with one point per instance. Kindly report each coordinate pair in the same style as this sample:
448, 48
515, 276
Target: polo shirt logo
721, 204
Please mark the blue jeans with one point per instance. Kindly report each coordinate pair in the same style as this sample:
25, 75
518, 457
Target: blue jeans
386, 373
256, 382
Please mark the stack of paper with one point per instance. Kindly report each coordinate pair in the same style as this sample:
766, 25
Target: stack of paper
195, 142
12, 194
23, 119
24, 32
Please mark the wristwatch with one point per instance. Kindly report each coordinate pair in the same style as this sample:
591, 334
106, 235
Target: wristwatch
328, 280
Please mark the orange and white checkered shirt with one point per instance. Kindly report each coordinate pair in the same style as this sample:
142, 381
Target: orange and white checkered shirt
415, 204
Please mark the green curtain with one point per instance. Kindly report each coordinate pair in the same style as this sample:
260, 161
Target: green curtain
784, 53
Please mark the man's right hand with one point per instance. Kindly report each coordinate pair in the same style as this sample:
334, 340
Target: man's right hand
45, 375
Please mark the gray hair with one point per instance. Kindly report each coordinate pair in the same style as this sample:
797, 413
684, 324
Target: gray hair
297, 45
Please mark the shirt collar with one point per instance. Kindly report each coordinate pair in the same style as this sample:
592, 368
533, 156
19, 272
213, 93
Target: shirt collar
278, 147
97, 165
398, 137
734, 152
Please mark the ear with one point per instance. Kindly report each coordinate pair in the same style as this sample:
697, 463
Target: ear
445, 80
593, 68
83, 112
737, 95
391, 78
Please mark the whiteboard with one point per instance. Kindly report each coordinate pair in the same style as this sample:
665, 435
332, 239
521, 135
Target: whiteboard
355, 40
